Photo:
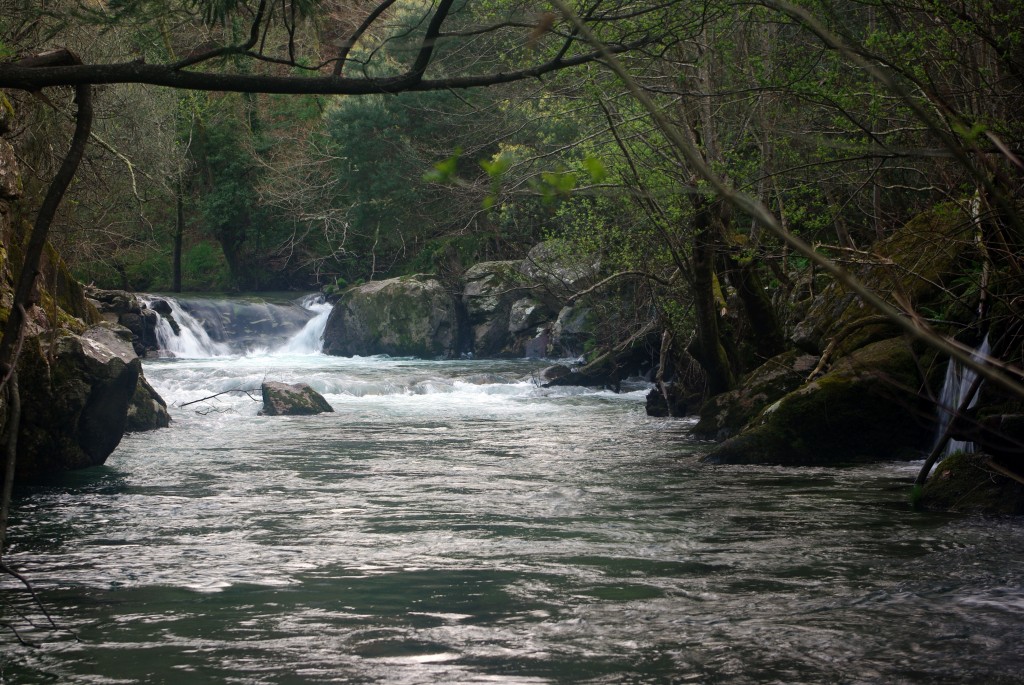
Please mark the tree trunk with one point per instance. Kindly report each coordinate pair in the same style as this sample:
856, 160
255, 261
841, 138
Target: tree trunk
179, 230
707, 346
766, 332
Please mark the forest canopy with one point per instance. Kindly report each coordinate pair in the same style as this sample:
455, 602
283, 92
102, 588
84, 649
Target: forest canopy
317, 144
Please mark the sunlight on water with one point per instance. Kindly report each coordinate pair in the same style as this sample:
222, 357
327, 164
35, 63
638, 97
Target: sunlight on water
455, 522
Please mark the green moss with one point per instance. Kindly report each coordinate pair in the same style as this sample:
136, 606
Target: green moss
967, 483
866, 408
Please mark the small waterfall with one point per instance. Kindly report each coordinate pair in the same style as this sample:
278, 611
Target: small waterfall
190, 339
310, 339
203, 327
956, 386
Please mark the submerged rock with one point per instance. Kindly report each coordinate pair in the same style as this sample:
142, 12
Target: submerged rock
283, 399
408, 316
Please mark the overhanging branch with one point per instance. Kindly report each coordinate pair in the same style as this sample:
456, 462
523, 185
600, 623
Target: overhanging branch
20, 76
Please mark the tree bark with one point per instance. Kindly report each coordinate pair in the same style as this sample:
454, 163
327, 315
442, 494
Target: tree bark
179, 230
707, 346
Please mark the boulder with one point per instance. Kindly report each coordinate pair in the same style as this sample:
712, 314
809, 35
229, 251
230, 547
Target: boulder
75, 394
971, 483
526, 314
869, 406
283, 399
725, 415
912, 264
560, 271
125, 308
490, 290
680, 401
147, 410
572, 330
408, 316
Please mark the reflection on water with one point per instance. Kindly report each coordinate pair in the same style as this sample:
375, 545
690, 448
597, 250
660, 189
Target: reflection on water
454, 522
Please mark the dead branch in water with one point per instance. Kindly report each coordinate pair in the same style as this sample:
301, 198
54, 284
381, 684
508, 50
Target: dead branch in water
247, 391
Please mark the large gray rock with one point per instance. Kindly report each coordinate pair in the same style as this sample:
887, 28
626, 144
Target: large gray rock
124, 308
559, 271
573, 328
489, 292
75, 393
284, 399
407, 316
147, 410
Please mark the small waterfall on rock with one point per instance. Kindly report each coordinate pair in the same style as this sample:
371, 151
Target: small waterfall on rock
203, 327
310, 339
955, 388
189, 339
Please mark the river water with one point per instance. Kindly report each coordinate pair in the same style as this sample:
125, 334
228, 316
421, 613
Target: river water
453, 522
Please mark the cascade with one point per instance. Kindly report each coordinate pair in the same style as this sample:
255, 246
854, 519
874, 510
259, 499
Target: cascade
190, 340
309, 340
219, 327
957, 384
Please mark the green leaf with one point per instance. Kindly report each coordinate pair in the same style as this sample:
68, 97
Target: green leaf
443, 171
496, 167
595, 167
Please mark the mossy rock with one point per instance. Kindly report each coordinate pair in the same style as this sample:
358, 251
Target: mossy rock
869, 407
410, 316
913, 264
299, 399
725, 415
968, 483
147, 410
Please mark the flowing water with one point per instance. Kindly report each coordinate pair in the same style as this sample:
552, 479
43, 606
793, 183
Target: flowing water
453, 522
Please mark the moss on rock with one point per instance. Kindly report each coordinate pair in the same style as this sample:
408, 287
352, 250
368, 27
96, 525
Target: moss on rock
725, 415
968, 483
868, 407
913, 264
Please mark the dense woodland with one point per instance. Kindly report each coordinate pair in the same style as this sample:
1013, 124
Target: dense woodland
320, 143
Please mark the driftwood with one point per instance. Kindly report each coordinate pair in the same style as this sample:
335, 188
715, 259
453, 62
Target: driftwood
247, 391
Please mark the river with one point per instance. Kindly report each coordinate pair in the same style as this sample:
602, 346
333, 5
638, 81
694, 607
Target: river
453, 522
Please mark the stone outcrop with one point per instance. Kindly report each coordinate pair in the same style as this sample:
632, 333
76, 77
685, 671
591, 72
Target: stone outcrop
75, 394
501, 309
78, 374
871, 405
125, 309
410, 316
284, 399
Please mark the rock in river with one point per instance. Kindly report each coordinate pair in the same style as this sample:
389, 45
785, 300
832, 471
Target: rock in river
283, 399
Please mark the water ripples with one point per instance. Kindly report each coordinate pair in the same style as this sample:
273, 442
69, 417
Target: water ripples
489, 530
